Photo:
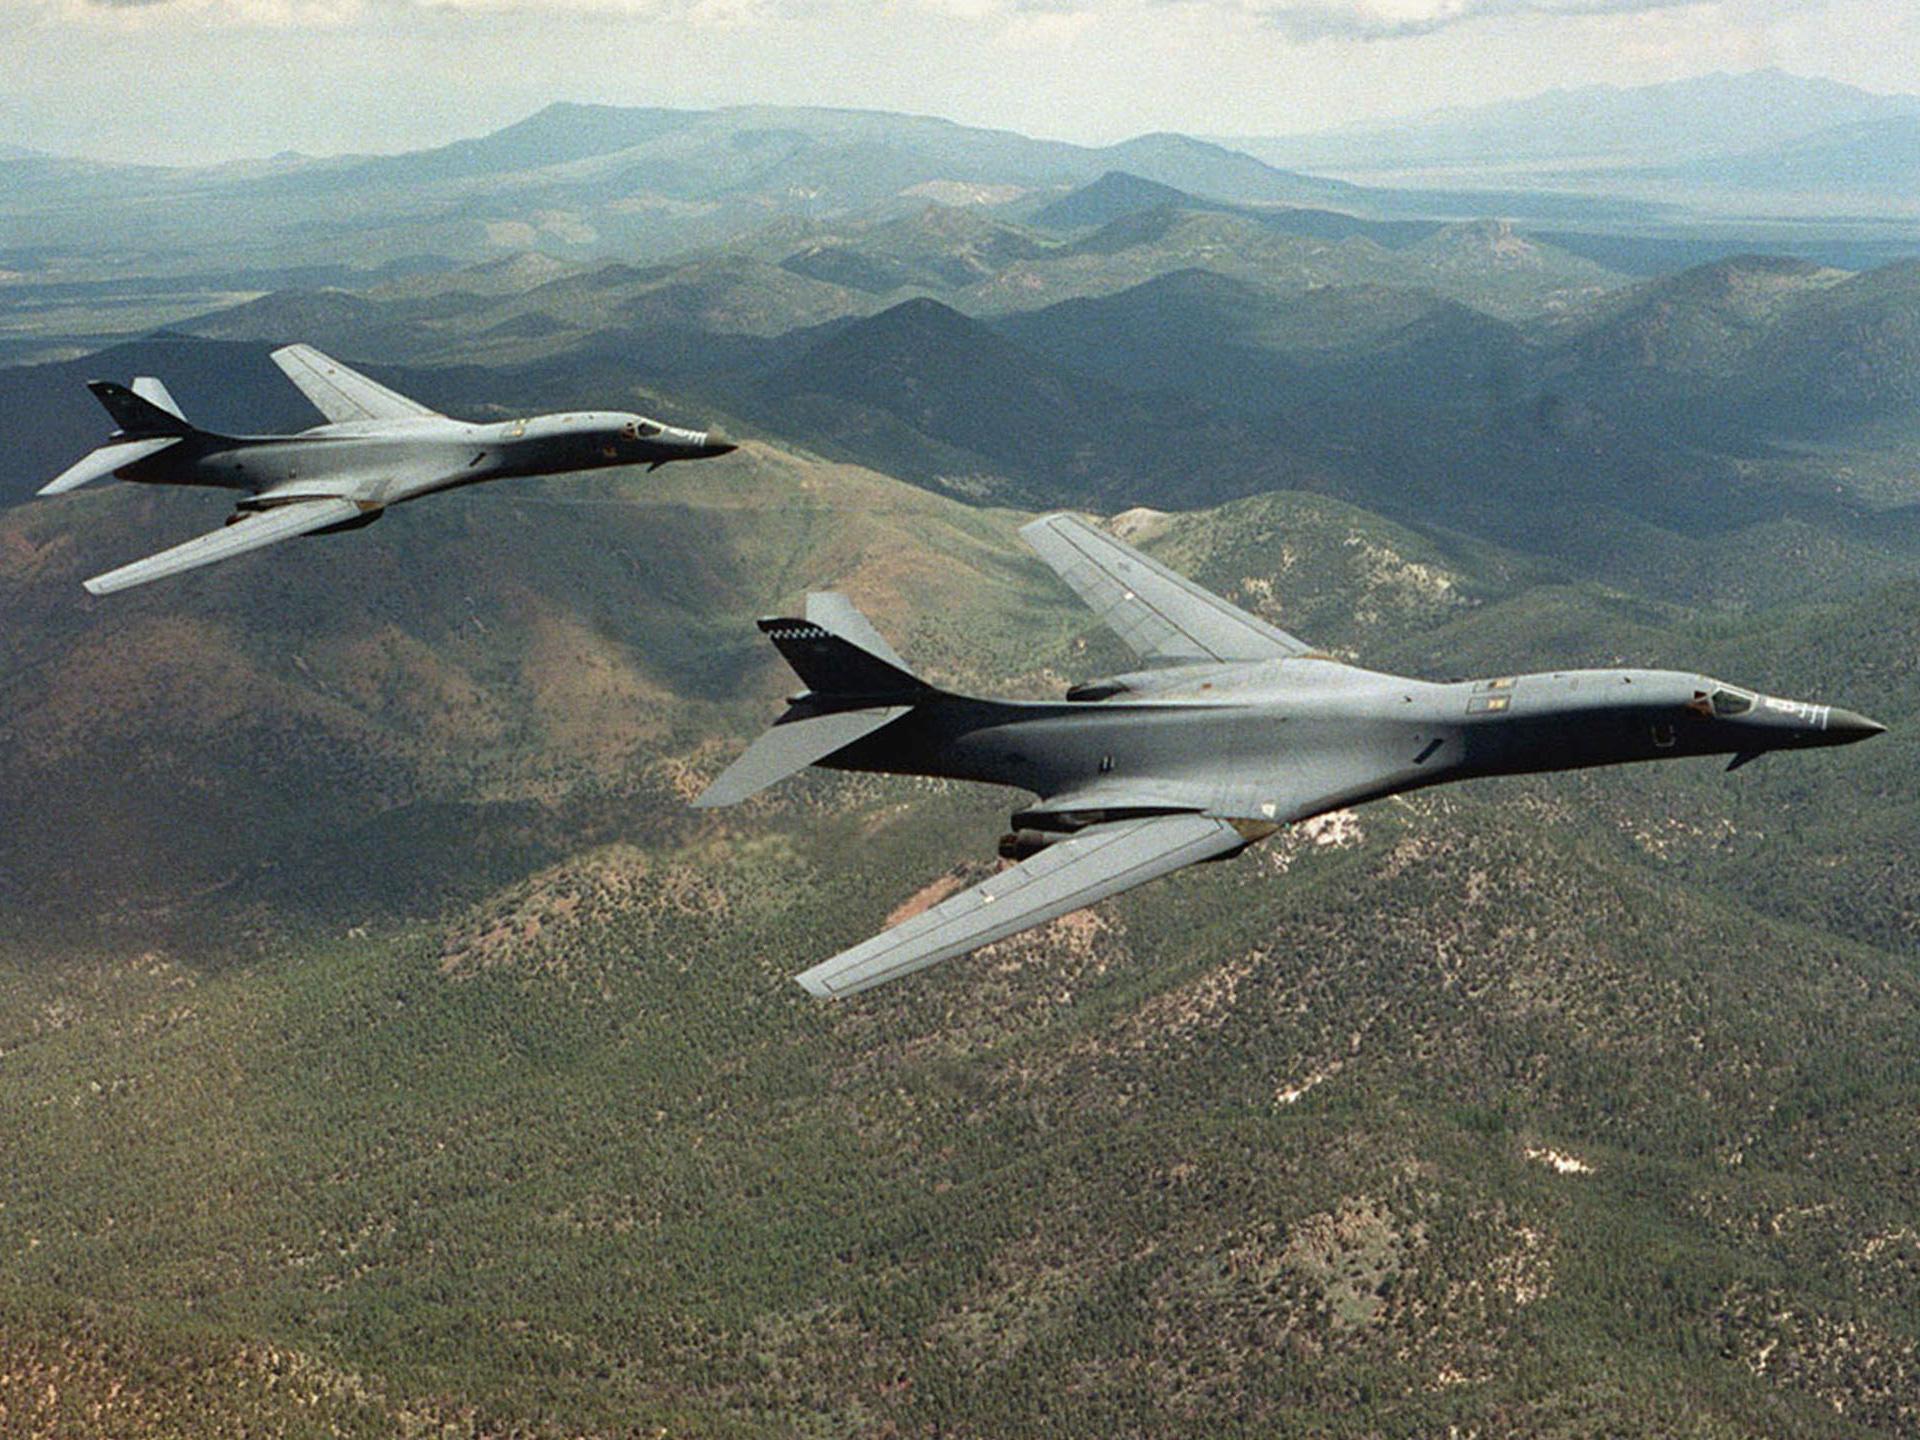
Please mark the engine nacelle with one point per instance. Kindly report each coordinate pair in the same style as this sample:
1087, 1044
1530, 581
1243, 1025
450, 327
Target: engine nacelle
1092, 690
1024, 844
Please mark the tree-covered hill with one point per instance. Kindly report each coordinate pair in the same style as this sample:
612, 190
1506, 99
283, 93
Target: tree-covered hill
387, 1048
1560, 1106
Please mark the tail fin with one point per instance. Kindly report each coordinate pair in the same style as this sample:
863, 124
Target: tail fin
136, 411
856, 685
151, 389
841, 657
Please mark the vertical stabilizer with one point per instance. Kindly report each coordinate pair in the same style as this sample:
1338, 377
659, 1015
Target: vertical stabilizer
856, 685
150, 389
831, 610
137, 416
840, 656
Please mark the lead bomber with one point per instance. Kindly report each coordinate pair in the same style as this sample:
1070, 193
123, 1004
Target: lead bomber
1232, 729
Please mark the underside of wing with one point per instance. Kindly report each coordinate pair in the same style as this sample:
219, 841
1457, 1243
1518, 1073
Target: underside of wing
1069, 875
1163, 616
341, 393
283, 522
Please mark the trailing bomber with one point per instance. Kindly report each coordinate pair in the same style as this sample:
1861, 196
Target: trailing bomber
1234, 730
377, 449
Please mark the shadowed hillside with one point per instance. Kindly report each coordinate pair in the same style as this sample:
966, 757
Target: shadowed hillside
1008, 423
1537, 1105
315, 731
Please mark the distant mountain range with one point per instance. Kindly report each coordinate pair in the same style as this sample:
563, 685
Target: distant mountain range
1707, 116
589, 180
1878, 156
594, 182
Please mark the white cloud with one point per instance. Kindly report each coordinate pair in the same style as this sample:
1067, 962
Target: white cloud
964, 9
238, 14
729, 14
1054, 22
1049, 27
335, 14
1391, 19
648, 9
1024, 23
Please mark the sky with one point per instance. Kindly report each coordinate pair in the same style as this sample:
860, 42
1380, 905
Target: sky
194, 81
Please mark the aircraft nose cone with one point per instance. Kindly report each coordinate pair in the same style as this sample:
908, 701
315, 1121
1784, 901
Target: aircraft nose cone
717, 443
1847, 726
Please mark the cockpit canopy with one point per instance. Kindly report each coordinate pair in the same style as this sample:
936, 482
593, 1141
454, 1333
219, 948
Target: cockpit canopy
1723, 701
639, 430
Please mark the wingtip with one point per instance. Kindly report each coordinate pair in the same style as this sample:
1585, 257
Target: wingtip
73, 477
811, 982
100, 585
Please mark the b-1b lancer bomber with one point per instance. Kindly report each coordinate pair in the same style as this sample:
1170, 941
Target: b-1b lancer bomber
1235, 730
377, 449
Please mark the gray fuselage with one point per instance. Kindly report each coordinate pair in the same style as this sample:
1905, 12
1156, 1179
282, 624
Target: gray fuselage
1282, 740
385, 462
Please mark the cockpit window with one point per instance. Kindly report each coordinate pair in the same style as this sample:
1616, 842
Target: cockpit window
1728, 701
639, 430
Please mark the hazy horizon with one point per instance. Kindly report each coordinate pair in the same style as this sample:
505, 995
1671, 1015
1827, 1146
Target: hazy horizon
202, 81
1221, 137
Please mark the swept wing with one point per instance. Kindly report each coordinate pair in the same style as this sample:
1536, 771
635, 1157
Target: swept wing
1099, 861
341, 393
1163, 616
283, 522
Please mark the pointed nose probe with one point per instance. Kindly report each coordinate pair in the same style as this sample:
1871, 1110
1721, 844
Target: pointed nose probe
1848, 726
716, 443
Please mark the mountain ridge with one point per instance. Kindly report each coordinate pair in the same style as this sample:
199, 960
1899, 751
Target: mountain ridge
1698, 115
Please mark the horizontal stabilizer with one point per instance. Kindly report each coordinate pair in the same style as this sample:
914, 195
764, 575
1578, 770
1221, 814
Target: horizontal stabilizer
792, 745
135, 414
104, 461
283, 522
1069, 875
